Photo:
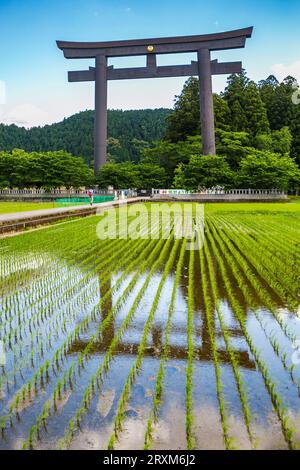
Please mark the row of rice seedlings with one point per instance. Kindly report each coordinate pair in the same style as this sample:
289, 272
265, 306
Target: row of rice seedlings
226, 335
97, 377
63, 349
22, 269
236, 261
209, 311
120, 414
285, 254
38, 301
55, 328
285, 248
280, 229
57, 358
16, 305
236, 257
189, 419
255, 283
82, 245
286, 260
63, 296
102, 263
264, 265
84, 355
152, 418
287, 430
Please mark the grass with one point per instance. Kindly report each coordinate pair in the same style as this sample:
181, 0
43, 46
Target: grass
14, 207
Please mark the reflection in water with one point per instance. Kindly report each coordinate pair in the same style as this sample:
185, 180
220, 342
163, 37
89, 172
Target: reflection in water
166, 436
155, 348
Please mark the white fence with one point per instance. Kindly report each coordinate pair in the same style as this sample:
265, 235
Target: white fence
55, 193
219, 194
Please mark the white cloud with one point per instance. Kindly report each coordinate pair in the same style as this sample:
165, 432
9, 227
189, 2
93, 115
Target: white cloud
281, 71
26, 115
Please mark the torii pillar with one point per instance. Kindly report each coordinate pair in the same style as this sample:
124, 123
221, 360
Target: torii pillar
100, 112
206, 103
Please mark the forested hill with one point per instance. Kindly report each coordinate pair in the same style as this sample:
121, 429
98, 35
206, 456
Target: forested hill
128, 131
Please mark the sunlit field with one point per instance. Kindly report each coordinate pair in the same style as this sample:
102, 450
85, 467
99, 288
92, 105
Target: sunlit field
164, 343
11, 207
14, 207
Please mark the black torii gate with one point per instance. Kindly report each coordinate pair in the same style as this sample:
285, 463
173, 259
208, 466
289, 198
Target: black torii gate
203, 67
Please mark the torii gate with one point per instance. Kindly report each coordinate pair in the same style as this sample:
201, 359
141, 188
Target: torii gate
203, 67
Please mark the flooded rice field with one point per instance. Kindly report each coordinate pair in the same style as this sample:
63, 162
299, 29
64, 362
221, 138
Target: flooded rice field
163, 343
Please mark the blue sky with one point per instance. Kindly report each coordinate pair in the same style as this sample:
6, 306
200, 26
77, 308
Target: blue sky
34, 71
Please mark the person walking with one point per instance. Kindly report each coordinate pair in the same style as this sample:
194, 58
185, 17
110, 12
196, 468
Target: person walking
91, 196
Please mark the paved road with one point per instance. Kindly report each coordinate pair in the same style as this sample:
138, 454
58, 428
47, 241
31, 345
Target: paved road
28, 215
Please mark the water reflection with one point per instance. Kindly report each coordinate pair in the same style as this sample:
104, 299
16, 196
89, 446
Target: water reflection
203, 352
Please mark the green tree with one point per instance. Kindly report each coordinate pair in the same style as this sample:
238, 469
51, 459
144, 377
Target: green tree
282, 141
255, 110
151, 176
169, 154
129, 175
266, 170
119, 175
203, 171
232, 145
185, 119
19, 169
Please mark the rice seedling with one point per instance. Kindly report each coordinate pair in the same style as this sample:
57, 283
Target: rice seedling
160, 376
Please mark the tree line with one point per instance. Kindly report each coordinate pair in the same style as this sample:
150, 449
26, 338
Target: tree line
129, 132
257, 143
257, 138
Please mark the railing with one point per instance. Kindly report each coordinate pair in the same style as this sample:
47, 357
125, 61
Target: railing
217, 191
54, 192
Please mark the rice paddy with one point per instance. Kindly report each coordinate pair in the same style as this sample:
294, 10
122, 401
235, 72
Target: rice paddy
163, 343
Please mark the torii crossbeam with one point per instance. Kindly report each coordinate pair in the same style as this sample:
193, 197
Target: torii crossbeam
203, 67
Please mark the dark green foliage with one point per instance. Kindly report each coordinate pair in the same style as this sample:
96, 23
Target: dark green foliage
128, 131
233, 145
281, 110
146, 147
248, 111
128, 175
185, 120
169, 154
43, 170
267, 170
204, 172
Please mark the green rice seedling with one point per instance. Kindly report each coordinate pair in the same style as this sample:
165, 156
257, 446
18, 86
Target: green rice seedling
160, 376
231, 352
